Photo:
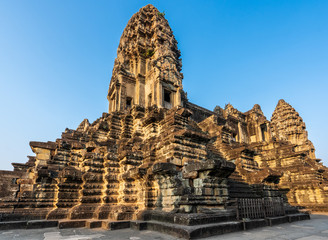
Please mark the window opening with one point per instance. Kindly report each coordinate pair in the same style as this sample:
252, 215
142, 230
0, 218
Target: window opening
128, 102
167, 96
263, 130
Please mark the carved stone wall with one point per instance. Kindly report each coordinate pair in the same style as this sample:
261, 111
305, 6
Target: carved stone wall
147, 68
157, 152
276, 153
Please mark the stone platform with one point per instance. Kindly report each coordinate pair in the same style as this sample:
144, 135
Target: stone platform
316, 228
185, 230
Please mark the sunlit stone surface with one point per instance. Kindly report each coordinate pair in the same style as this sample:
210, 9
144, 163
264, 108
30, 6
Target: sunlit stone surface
160, 159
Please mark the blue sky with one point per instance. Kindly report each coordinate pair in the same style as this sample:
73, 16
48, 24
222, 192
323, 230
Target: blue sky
56, 59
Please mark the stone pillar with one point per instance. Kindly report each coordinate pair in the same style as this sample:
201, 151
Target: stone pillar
139, 98
177, 101
259, 137
241, 134
142, 66
159, 96
117, 97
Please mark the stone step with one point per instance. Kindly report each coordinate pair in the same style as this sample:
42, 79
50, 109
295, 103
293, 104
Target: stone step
72, 224
93, 223
32, 224
298, 217
207, 230
190, 219
191, 231
13, 225
196, 231
276, 220
114, 225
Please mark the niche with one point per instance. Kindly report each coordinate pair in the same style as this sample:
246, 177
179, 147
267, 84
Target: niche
263, 131
167, 98
149, 100
128, 103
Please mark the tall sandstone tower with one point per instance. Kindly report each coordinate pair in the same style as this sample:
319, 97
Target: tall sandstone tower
159, 162
289, 126
147, 68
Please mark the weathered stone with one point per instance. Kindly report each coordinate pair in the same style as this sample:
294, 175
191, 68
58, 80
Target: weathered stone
159, 158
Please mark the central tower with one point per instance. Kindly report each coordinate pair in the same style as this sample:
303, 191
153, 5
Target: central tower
147, 68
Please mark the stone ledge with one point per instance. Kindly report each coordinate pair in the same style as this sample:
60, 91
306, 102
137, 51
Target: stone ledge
41, 224
45, 145
254, 223
138, 225
298, 217
189, 219
168, 228
115, 225
32, 224
72, 224
192, 232
206, 230
13, 225
94, 224
174, 229
276, 220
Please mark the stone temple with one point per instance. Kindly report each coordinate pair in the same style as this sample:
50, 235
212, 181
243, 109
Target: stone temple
157, 161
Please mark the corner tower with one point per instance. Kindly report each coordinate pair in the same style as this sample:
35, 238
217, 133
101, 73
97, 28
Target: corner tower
287, 125
147, 68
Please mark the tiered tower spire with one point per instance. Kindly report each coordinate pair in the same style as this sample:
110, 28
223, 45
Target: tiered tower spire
286, 124
147, 68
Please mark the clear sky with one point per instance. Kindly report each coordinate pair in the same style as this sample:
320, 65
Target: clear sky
56, 59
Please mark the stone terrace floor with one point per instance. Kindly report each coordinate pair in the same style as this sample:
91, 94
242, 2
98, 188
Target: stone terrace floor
314, 229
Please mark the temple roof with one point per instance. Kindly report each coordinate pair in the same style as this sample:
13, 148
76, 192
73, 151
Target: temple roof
287, 123
148, 35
